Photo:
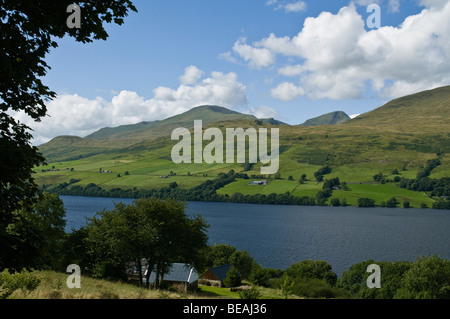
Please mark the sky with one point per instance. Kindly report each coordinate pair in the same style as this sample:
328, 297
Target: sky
287, 59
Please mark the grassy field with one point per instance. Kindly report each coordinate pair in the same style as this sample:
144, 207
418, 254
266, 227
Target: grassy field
381, 192
403, 134
53, 286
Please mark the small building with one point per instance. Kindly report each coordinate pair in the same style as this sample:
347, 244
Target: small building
181, 276
262, 182
215, 276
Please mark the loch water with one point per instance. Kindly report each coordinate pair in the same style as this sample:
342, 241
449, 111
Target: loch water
278, 236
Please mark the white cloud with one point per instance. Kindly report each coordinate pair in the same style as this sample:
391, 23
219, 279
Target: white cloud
71, 114
287, 91
191, 75
291, 70
263, 112
227, 56
257, 57
297, 6
434, 3
335, 57
394, 6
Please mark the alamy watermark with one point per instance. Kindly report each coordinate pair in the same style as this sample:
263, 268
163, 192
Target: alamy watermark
74, 280
214, 151
74, 20
374, 20
374, 280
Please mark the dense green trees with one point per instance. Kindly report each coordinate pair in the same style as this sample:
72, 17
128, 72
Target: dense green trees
34, 236
366, 202
158, 231
311, 279
28, 31
204, 192
427, 278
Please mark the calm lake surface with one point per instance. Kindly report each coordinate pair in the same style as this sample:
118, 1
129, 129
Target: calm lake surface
278, 236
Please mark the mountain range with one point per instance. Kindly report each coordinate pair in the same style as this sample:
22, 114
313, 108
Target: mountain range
401, 135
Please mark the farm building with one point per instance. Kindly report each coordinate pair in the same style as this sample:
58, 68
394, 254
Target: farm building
215, 276
262, 182
182, 277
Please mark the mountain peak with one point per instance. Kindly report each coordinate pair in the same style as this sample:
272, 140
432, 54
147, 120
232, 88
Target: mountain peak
213, 108
331, 118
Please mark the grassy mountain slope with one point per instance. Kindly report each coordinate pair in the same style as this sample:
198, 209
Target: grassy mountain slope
423, 112
106, 139
403, 134
331, 118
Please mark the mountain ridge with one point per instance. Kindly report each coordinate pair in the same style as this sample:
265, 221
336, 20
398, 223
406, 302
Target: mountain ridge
331, 118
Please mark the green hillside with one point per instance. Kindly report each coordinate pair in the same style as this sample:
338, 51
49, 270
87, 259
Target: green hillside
401, 136
328, 119
65, 148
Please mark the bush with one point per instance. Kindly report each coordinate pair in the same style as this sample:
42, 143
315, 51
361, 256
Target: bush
233, 279
392, 202
259, 276
335, 202
312, 269
316, 288
252, 293
406, 204
23, 280
354, 280
366, 202
428, 278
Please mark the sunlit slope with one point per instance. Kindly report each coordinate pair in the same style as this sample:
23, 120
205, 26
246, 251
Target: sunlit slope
402, 135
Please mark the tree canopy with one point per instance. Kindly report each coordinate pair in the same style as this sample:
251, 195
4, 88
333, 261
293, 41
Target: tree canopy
28, 30
152, 229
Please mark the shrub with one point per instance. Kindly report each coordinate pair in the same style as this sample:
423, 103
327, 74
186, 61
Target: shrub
335, 202
252, 293
392, 202
366, 202
316, 288
233, 279
23, 280
313, 269
428, 278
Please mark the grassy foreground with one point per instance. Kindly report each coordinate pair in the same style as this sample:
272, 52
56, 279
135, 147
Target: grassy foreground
53, 286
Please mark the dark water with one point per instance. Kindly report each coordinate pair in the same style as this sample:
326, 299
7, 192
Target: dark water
278, 236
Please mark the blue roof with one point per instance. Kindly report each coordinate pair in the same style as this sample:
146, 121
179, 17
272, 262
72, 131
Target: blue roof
179, 272
221, 271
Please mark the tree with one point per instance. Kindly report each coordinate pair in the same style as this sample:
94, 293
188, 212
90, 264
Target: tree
312, 269
152, 229
366, 202
428, 278
392, 202
233, 279
243, 262
354, 280
287, 286
218, 255
378, 177
302, 179
29, 29
23, 280
259, 276
335, 202
35, 235
252, 293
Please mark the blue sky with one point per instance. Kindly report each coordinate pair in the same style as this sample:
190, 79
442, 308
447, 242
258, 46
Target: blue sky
287, 59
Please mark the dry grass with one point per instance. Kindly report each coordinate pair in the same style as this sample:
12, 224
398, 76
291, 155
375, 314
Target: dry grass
53, 286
